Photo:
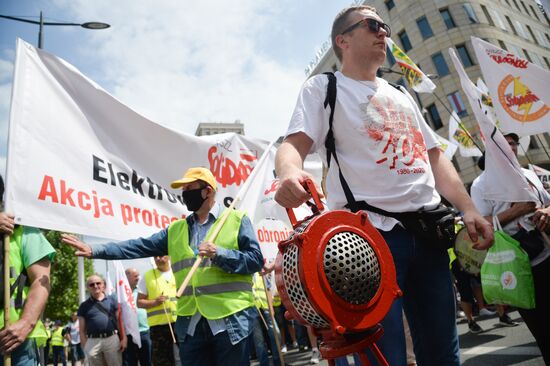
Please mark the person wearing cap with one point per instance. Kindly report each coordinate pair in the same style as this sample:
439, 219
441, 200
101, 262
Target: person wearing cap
523, 220
215, 315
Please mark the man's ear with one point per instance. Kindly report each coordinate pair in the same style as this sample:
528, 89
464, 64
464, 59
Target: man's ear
341, 41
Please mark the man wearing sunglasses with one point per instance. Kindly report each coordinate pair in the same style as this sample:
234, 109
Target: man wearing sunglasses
101, 331
391, 161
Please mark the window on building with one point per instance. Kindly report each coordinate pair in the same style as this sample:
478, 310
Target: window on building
498, 20
405, 42
390, 4
542, 40
508, 2
536, 59
424, 27
524, 7
547, 62
470, 13
447, 18
464, 55
516, 51
435, 118
487, 15
511, 25
440, 64
534, 12
502, 45
547, 36
532, 34
457, 104
521, 30
527, 55
516, 4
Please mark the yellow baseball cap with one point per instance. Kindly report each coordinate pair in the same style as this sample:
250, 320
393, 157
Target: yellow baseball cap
194, 174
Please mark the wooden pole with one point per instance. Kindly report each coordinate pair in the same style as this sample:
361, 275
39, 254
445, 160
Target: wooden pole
211, 237
272, 315
7, 297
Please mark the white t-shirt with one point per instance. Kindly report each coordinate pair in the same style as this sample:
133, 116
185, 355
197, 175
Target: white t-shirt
142, 285
381, 144
493, 208
74, 328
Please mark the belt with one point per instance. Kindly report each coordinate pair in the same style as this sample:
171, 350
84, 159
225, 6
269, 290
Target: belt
102, 335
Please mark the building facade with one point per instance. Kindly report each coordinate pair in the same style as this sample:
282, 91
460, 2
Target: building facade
213, 128
426, 29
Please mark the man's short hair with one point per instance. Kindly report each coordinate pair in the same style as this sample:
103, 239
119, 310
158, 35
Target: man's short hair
341, 22
513, 136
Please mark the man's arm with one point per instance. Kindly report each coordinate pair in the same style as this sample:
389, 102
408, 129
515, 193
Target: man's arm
122, 335
146, 303
15, 334
449, 185
82, 331
155, 245
289, 167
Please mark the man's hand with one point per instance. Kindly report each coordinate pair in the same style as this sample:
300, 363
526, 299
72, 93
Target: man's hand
207, 249
82, 249
541, 219
477, 224
12, 336
291, 192
123, 343
160, 300
268, 268
7, 223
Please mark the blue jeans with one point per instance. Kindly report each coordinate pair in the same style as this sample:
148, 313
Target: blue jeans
59, 355
24, 355
428, 301
260, 342
133, 354
205, 349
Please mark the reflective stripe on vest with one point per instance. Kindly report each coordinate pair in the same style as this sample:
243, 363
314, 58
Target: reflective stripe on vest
16, 267
212, 291
157, 285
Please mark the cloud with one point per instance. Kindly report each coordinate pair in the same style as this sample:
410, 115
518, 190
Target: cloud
201, 62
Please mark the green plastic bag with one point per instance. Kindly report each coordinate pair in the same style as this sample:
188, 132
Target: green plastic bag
506, 276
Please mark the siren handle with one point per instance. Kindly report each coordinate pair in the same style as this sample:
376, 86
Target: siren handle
316, 206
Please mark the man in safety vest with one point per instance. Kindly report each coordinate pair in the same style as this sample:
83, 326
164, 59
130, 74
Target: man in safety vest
216, 311
30, 259
58, 347
157, 294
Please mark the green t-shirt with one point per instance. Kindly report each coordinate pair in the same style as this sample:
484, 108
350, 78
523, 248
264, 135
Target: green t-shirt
35, 247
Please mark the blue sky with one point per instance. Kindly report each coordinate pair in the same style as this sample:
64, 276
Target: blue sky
181, 62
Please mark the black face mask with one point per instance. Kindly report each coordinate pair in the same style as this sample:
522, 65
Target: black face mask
193, 199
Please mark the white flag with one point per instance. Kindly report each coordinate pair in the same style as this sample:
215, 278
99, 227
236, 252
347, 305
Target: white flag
520, 90
448, 147
415, 77
461, 137
543, 174
128, 308
502, 178
109, 288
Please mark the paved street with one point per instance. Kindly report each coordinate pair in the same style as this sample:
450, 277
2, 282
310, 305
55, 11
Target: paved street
495, 346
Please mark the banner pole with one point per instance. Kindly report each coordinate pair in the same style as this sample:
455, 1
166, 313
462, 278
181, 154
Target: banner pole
7, 297
212, 237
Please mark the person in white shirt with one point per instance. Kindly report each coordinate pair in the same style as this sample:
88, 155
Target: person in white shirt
392, 161
73, 336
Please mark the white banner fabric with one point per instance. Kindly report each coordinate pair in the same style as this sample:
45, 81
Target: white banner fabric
502, 178
128, 307
519, 89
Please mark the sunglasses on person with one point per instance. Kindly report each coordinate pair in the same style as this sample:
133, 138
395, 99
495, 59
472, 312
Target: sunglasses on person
372, 24
93, 284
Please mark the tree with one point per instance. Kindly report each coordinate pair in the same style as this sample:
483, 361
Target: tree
63, 300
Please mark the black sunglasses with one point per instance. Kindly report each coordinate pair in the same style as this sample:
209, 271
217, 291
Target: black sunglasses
372, 24
92, 284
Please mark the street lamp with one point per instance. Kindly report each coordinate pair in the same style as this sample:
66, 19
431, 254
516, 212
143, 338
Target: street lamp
41, 23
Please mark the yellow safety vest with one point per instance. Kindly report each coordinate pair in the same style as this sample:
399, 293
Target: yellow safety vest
16, 267
157, 286
213, 292
57, 337
260, 299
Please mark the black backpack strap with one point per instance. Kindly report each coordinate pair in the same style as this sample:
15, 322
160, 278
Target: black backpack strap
396, 86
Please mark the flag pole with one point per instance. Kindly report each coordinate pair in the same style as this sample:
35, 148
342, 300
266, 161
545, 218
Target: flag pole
7, 297
226, 213
168, 318
272, 315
